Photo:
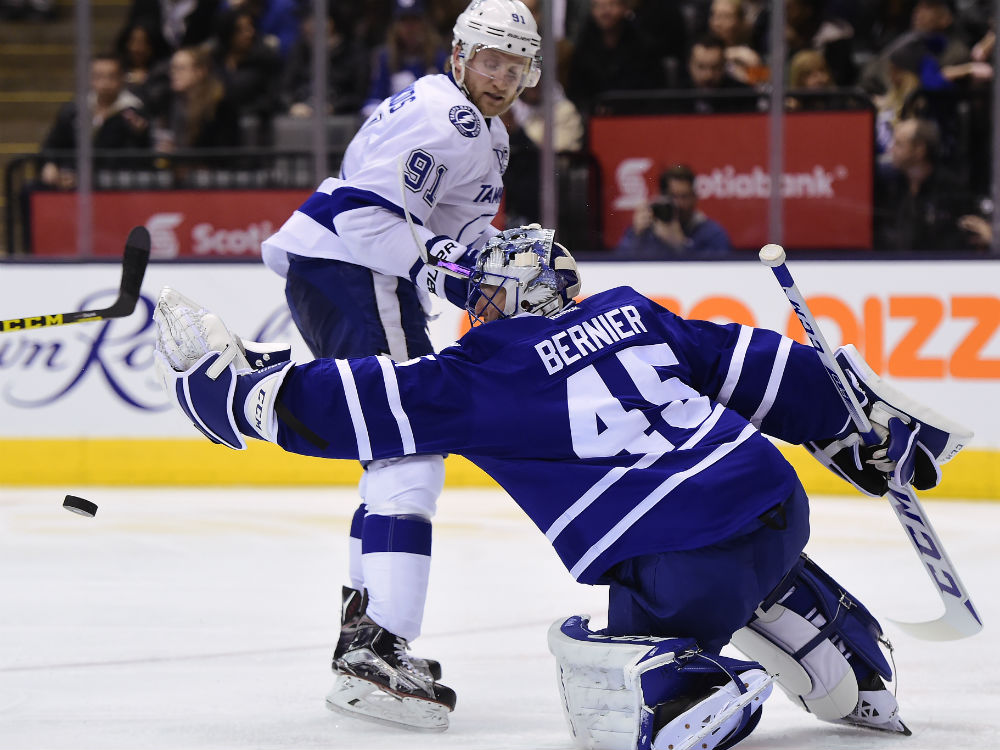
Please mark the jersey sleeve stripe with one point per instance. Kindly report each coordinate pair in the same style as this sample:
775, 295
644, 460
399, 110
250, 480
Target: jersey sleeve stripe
396, 406
773, 382
647, 503
354, 407
735, 365
324, 208
595, 492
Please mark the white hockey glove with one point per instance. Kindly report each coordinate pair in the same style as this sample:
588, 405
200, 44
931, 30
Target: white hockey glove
199, 363
915, 439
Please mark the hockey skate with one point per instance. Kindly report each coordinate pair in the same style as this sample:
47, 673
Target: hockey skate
877, 709
721, 718
378, 681
352, 609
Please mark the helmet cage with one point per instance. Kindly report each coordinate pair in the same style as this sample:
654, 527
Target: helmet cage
519, 261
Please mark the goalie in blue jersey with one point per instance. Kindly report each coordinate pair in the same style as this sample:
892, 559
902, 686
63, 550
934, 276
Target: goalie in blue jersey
635, 440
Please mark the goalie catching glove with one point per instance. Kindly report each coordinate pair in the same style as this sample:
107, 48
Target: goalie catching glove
207, 371
915, 440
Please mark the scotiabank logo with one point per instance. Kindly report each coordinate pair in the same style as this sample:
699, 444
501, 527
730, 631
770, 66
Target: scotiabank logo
726, 182
206, 239
166, 233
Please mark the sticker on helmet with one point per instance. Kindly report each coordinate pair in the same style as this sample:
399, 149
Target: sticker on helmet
463, 117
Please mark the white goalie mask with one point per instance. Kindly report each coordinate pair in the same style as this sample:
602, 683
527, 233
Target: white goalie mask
536, 276
503, 25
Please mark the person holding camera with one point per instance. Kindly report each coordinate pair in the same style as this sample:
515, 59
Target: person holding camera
671, 225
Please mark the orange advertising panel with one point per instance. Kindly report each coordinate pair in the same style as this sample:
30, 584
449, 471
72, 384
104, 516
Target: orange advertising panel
827, 182
182, 224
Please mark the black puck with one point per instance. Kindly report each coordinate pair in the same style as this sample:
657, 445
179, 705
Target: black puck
79, 505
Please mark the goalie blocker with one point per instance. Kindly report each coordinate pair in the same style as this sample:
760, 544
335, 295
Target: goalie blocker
916, 440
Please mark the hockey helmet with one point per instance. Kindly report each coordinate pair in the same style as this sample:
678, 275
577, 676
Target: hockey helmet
537, 276
504, 25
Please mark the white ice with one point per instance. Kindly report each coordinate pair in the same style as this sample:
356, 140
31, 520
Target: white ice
197, 619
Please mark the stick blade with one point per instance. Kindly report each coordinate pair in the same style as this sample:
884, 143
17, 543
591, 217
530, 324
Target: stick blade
945, 628
137, 248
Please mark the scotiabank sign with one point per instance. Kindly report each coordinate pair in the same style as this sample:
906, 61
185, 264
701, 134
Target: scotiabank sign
182, 224
827, 184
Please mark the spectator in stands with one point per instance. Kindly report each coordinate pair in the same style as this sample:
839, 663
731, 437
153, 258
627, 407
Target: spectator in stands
144, 52
808, 72
197, 114
671, 226
979, 231
809, 24
118, 119
933, 40
346, 73
611, 54
706, 74
412, 49
728, 22
903, 81
183, 24
918, 204
525, 123
276, 21
249, 69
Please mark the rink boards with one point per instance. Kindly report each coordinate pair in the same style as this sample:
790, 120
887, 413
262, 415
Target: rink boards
81, 404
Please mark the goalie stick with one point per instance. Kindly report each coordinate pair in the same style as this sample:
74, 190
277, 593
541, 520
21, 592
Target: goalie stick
960, 619
133, 269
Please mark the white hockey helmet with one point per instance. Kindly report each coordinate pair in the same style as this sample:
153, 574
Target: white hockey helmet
504, 25
538, 275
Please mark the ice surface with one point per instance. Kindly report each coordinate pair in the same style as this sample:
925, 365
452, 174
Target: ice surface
204, 619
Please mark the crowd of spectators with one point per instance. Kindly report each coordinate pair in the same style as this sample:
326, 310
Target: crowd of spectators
216, 73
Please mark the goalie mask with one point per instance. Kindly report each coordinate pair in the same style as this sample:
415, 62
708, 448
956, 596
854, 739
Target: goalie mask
504, 25
521, 271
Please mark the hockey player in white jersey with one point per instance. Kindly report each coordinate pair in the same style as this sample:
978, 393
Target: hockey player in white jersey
356, 287
635, 441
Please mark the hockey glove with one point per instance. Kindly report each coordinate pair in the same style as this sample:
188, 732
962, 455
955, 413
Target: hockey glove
206, 370
915, 440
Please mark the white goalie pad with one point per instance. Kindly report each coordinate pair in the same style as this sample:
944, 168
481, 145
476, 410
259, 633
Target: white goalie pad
647, 693
600, 701
823, 682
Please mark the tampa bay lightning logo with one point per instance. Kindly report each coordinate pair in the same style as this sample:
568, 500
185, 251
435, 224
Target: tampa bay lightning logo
463, 117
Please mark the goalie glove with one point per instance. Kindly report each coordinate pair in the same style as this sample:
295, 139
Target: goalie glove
224, 385
915, 440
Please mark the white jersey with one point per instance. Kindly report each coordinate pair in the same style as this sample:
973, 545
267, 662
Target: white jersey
452, 161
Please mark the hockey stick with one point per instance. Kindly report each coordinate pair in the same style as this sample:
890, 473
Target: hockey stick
960, 619
133, 269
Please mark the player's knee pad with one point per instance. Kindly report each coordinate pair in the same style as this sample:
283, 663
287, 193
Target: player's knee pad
403, 486
646, 693
818, 639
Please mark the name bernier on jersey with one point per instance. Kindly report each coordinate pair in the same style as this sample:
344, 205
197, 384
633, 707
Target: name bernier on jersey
576, 342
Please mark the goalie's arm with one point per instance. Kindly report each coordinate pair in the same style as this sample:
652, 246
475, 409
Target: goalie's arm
774, 382
367, 408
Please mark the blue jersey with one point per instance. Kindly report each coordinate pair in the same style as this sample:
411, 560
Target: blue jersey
620, 428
